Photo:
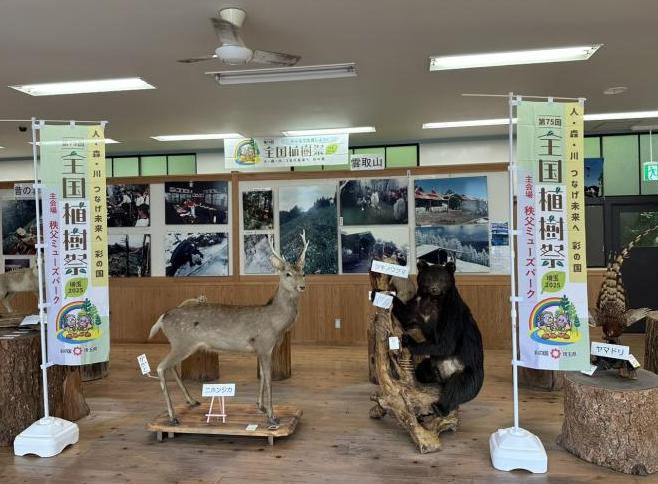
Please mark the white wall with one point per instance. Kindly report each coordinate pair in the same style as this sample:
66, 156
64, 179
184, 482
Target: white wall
457, 152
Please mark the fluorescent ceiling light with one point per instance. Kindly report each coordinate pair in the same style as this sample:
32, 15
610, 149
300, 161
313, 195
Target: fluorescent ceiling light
279, 74
503, 121
519, 57
195, 137
108, 141
312, 132
84, 87
468, 124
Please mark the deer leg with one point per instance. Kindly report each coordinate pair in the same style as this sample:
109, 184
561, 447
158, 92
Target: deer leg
261, 389
6, 299
267, 376
171, 360
191, 401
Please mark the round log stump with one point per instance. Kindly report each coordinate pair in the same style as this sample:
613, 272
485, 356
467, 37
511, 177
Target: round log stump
547, 380
21, 401
651, 342
95, 371
201, 366
281, 359
612, 421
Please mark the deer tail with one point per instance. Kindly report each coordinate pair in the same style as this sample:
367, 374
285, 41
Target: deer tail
156, 327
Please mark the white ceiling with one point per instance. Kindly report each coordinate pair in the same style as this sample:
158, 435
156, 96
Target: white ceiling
389, 40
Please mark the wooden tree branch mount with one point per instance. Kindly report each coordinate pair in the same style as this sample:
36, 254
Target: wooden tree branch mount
400, 395
612, 421
651, 343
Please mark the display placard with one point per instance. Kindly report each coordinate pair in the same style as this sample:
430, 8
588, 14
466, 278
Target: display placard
607, 350
366, 162
218, 390
390, 269
24, 191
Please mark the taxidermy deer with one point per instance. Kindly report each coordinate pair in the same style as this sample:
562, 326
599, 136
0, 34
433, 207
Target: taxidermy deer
196, 324
21, 280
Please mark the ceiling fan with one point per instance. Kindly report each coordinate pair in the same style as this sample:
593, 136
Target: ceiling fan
233, 51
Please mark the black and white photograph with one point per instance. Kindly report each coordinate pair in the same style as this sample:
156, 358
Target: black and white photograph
196, 254
16, 264
467, 245
257, 253
362, 245
374, 201
19, 227
128, 206
451, 201
129, 255
311, 208
199, 202
257, 209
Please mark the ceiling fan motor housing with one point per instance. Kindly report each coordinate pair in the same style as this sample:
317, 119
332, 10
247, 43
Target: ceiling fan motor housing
234, 55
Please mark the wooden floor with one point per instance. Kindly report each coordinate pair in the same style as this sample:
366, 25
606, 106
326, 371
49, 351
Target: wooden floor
335, 440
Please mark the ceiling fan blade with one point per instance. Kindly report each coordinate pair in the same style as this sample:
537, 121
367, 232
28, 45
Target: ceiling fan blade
198, 59
228, 33
274, 58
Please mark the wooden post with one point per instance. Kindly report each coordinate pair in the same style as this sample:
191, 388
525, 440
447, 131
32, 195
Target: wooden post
281, 359
547, 380
202, 366
651, 342
612, 421
95, 371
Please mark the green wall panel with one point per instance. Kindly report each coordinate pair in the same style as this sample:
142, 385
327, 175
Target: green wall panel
182, 164
651, 187
620, 163
125, 166
315, 168
154, 165
593, 147
401, 156
108, 167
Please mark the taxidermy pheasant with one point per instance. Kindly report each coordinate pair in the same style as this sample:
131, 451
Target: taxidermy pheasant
611, 311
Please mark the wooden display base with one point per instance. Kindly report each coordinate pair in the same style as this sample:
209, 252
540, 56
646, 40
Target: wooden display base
612, 421
193, 421
651, 342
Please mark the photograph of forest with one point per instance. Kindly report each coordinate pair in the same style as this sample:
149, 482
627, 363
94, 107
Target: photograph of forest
374, 201
466, 244
257, 210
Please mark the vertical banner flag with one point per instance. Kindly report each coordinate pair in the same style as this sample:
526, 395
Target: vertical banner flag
552, 270
72, 172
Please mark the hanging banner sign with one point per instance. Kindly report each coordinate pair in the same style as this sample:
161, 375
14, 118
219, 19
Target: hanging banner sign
552, 270
75, 236
366, 162
277, 152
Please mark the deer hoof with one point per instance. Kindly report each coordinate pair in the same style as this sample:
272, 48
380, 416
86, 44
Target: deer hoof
194, 403
260, 408
273, 421
173, 421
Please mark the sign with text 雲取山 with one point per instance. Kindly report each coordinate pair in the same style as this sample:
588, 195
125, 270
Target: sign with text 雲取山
75, 236
283, 151
367, 162
552, 270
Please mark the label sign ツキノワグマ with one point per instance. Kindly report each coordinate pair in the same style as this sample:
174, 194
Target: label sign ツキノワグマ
218, 390
390, 269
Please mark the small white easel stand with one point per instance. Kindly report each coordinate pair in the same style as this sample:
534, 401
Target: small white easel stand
47, 436
222, 410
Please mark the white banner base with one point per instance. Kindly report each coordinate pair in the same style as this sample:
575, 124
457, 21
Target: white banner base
46, 437
516, 448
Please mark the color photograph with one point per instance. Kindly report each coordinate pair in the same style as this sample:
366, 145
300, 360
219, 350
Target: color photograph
594, 177
360, 245
451, 201
257, 252
196, 203
311, 208
257, 209
499, 234
196, 254
16, 264
128, 206
129, 255
374, 202
467, 245
19, 227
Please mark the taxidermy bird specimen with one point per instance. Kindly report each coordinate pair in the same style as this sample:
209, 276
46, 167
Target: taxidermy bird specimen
612, 313
233, 50
197, 324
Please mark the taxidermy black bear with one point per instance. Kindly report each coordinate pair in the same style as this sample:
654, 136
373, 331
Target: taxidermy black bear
452, 338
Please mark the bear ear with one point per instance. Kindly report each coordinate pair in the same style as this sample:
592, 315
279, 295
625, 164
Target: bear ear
422, 265
450, 266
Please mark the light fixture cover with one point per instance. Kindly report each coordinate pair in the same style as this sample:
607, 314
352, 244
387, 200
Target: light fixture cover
511, 58
312, 132
196, 137
108, 141
281, 74
84, 87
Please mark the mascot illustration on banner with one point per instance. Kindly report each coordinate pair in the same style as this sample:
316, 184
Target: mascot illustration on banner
247, 153
78, 322
554, 321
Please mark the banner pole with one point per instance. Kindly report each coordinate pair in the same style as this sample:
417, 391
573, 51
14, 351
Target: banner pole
512, 255
40, 254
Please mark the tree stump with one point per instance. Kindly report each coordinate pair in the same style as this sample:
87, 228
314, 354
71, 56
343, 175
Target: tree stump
651, 342
21, 401
281, 359
202, 366
94, 371
548, 380
372, 352
612, 421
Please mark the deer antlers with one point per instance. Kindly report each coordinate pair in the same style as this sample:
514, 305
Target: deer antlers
275, 255
302, 256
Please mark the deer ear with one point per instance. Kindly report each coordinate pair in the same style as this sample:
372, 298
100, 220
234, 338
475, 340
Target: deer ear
277, 264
